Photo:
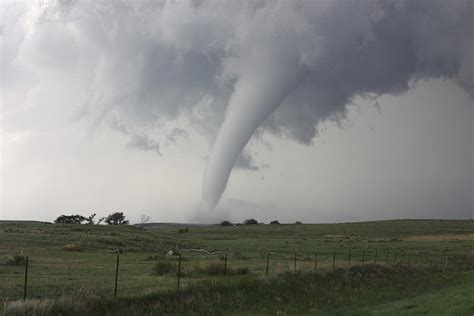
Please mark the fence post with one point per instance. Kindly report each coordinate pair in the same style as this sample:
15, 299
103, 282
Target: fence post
375, 258
446, 263
225, 264
395, 259
334, 259
315, 261
26, 278
349, 257
179, 269
295, 262
363, 256
386, 256
116, 273
268, 260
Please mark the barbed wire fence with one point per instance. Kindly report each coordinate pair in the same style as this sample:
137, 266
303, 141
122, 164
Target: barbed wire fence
34, 276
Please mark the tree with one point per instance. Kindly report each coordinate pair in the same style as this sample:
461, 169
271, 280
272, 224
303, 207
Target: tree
144, 219
90, 219
70, 219
274, 223
225, 223
250, 222
298, 223
116, 218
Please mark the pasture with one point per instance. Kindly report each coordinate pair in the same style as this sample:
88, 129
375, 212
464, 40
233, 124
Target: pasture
400, 266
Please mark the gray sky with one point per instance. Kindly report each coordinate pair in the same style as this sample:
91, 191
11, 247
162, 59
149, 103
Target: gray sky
116, 106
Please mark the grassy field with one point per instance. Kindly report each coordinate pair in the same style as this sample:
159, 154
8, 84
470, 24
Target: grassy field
396, 267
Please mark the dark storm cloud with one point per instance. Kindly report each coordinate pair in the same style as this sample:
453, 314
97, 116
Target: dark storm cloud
284, 66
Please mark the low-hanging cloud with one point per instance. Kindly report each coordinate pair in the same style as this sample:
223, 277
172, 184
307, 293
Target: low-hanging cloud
227, 67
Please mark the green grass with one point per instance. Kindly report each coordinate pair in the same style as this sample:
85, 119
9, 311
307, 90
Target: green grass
57, 270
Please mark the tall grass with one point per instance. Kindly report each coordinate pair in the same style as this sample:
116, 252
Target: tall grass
288, 293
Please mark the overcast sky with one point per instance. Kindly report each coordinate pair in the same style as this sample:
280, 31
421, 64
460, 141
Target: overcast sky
115, 106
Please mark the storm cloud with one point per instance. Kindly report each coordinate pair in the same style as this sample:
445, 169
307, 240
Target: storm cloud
284, 67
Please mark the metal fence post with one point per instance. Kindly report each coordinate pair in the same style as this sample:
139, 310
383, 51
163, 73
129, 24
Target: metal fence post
116, 273
26, 278
315, 261
295, 263
179, 268
268, 260
334, 259
225, 264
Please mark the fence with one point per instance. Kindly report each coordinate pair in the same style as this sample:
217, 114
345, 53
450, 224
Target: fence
130, 274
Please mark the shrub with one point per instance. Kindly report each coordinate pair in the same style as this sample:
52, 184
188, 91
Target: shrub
14, 260
116, 218
183, 230
298, 223
218, 269
163, 267
250, 221
72, 247
225, 224
274, 223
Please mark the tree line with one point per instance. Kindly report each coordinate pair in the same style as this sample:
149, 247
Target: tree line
117, 218
252, 221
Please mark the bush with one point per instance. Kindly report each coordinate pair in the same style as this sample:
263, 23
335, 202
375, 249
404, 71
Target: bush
116, 218
250, 221
298, 223
225, 224
163, 267
72, 247
219, 268
183, 230
274, 223
14, 260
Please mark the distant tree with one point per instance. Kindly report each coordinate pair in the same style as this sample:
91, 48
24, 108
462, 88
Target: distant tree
144, 219
70, 219
225, 223
274, 223
90, 219
298, 223
116, 218
250, 222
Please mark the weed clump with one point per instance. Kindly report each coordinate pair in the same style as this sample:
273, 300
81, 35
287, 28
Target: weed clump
219, 269
72, 247
163, 267
14, 260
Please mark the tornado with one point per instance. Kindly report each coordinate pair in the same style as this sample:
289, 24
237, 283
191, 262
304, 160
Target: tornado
260, 89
